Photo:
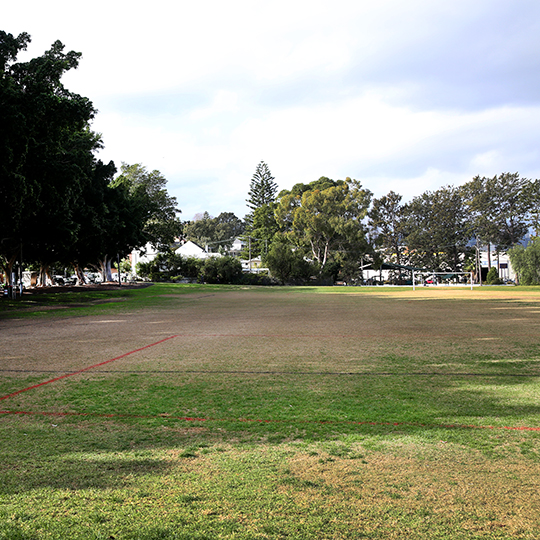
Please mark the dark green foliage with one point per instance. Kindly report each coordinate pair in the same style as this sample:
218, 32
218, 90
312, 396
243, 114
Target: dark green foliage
321, 184
57, 201
46, 152
153, 210
261, 224
288, 265
492, 277
526, 262
222, 270
532, 196
262, 189
170, 267
261, 231
438, 229
499, 207
388, 224
217, 233
327, 223
258, 279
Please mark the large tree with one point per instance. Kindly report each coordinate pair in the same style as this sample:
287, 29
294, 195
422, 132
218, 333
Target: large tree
388, 226
328, 222
262, 189
141, 212
526, 262
260, 223
438, 229
96, 216
499, 208
46, 153
214, 232
531, 194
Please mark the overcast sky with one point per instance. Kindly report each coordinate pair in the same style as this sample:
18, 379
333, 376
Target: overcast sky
401, 95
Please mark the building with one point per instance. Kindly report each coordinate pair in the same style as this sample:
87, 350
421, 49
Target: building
191, 249
146, 255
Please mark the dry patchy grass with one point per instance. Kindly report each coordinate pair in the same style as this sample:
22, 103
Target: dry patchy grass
419, 360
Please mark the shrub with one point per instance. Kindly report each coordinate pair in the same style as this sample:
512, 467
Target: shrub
167, 266
287, 265
222, 270
492, 277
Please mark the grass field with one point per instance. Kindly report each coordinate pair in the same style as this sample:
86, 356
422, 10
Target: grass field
191, 412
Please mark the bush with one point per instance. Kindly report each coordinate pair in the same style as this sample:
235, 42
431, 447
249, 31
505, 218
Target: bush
492, 277
258, 279
222, 270
167, 266
287, 265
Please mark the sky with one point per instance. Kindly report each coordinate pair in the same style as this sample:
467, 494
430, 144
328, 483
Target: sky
404, 96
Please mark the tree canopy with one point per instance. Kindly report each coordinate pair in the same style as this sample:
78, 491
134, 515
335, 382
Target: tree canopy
499, 208
58, 202
388, 225
215, 233
328, 222
47, 153
438, 229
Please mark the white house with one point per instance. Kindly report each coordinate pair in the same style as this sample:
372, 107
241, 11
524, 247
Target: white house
147, 255
191, 249
237, 246
501, 261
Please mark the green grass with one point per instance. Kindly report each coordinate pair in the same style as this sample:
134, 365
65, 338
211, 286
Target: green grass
276, 413
56, 303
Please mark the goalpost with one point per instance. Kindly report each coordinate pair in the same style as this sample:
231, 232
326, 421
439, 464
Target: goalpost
444, 275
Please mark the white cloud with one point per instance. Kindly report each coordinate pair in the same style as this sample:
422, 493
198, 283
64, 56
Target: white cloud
401, 95
222, 102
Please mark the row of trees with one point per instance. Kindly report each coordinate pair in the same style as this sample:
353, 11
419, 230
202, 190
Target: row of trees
336, 228
341, 227
59, 204
441, 230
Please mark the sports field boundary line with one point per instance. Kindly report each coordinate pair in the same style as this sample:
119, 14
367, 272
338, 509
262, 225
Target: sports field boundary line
88, 368
166, 416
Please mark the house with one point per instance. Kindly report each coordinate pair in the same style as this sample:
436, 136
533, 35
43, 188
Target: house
255, 266
501, 261
146, 255
191, 249
237, 247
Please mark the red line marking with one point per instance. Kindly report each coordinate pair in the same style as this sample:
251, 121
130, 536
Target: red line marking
86, 368
196, 419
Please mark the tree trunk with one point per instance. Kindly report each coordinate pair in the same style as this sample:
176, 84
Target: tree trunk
8, 269
105, 268
398, 261
81, 280
44, 276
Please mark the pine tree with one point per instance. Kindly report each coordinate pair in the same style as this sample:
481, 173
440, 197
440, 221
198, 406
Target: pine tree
260, 222
262, 189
